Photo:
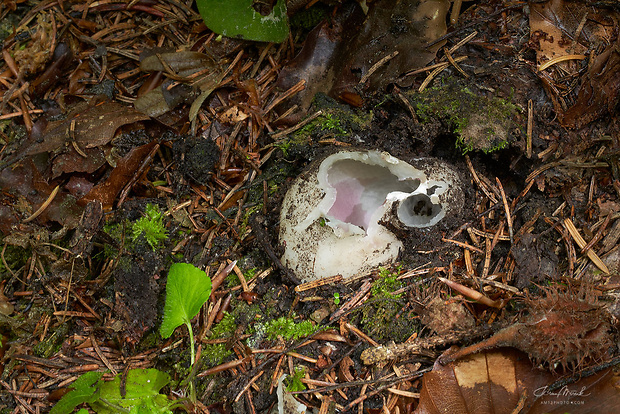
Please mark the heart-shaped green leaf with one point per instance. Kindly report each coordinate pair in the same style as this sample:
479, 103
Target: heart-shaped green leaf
187, 289
239, 18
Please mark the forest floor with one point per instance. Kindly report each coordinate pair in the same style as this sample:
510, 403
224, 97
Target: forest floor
134, 138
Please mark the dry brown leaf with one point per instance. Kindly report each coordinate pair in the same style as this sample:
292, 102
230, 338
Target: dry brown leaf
88, 125
194, 68
377, 49
504, 380
107, 191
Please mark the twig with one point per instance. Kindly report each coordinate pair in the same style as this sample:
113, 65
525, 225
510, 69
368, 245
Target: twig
377, 65
297, 126
582, 243
506, 209
464, 245
530, 127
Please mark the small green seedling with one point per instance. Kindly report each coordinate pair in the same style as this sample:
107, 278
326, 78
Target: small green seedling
187, 289
337, 298
140, 394
151, 225
245, 19
293, 382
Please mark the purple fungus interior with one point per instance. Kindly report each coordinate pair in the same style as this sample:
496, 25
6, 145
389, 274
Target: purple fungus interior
361, 189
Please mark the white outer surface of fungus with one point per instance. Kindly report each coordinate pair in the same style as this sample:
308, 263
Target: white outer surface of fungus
330, 216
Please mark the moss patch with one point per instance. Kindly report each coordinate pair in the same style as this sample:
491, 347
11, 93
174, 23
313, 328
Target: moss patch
380, 317
151, 226
288, 328
481, 123
336, 122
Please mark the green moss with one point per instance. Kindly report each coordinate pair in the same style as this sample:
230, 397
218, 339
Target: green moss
245, 221
147, 231
15, 257
380, 316
224, 328
288, 328
50, 345
387, 283
336, 121
215, 354
481, 123
151, 226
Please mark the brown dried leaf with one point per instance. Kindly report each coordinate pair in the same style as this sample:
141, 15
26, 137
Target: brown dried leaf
548, 21
180, 66
107, 191
95, 125
88, 125
404, 27
71, 162
28, 186
553, 25
164, 99
183, 63
599, 92
500, 381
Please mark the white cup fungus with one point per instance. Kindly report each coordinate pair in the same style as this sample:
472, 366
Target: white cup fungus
331, 217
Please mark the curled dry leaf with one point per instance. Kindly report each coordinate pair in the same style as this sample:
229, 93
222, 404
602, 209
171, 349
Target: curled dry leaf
125, 170
193, 68
344, 369
599, 92
505, 381
31, 191
88, 125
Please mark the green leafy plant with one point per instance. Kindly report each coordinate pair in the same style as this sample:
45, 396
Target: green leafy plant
140, 394
187, 289
246, 19
151, 225
84, 390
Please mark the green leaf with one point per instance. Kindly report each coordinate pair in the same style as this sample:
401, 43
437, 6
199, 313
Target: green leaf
141, 393
237, 18
84, 390
187, 289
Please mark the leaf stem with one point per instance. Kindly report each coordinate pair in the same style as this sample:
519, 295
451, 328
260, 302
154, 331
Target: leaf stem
192, 388
191, 341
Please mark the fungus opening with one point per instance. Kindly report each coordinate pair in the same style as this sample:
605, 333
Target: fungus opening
419, 211
361, 189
